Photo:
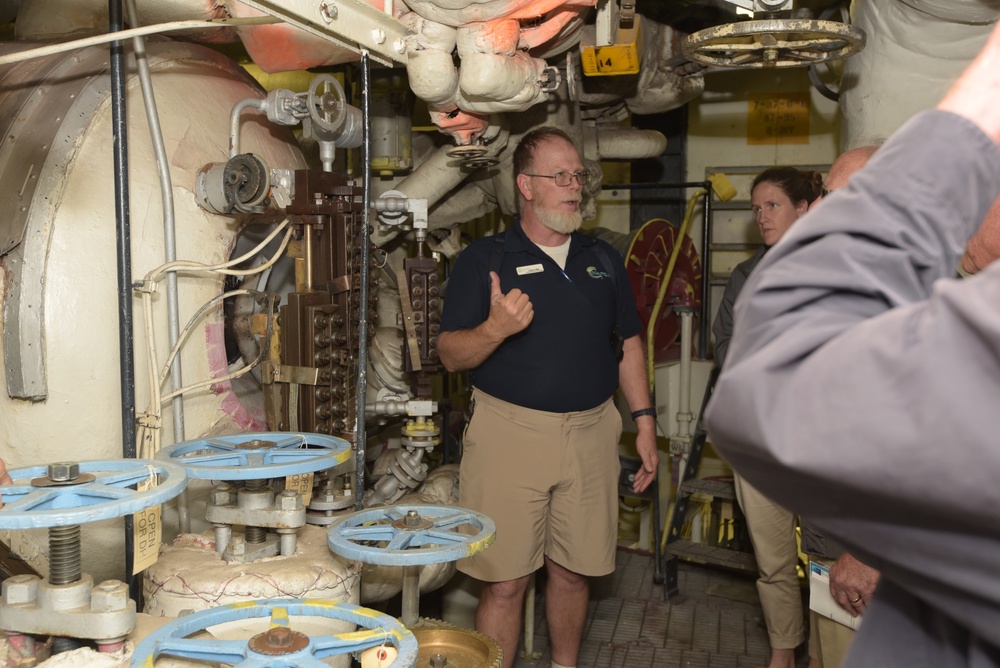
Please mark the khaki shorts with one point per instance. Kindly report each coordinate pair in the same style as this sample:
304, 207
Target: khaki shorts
549, 481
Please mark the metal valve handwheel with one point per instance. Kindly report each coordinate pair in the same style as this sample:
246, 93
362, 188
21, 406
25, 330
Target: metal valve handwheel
279, 646
259, 455
773, 43
327, 102
436, 530
89, 491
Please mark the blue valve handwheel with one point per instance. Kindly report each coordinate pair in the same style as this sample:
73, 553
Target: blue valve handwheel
105, 496
438, 534
254, 456
296, 649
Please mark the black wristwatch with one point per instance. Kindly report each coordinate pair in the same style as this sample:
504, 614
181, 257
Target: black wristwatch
651, 412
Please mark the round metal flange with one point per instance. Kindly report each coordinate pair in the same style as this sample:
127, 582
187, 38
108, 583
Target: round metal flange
246, 180
259, 455
321, 518
105, 496
442, 644
279, 646
466, 152
773, 43
480, 163
406, 535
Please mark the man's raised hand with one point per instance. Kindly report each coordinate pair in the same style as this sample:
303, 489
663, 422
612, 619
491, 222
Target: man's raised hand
509, 313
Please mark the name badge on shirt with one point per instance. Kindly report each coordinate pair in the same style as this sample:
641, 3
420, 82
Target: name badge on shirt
530, 269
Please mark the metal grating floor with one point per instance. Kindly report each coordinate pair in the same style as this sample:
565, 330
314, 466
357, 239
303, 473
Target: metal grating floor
715, 622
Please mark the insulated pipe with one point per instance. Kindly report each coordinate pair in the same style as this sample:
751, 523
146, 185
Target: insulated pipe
434, 178
124, 257
621, 144
169, 243
365, 242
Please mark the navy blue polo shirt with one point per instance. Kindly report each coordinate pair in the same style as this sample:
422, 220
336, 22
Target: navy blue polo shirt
564, 360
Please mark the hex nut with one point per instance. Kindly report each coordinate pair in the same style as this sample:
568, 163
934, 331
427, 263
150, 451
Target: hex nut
237, 546
289, 500
20, 589
109, 596
64, 471
222, 495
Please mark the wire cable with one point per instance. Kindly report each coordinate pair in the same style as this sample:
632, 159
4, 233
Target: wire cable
62, 47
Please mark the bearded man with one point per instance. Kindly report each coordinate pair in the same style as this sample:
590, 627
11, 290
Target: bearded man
534, 314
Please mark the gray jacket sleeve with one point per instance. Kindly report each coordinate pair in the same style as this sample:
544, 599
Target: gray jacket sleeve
861, 388
722, 326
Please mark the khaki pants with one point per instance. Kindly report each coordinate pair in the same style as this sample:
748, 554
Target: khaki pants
550, 483
828, 640
772, 532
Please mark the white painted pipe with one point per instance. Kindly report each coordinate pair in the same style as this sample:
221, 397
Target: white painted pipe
629, 144
684, 416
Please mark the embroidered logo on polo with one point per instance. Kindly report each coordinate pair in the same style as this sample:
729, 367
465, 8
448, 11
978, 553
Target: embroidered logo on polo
593, 272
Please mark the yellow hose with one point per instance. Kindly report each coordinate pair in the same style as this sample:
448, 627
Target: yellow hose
664, 284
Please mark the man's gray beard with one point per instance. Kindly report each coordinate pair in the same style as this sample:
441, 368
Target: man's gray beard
563, 223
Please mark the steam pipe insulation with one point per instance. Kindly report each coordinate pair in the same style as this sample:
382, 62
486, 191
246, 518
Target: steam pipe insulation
434, 178
629, 144
363, 270
119, 122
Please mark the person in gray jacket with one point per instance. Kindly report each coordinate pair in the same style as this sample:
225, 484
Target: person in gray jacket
860, 389
779, 197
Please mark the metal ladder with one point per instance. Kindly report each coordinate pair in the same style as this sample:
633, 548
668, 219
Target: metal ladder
734, 554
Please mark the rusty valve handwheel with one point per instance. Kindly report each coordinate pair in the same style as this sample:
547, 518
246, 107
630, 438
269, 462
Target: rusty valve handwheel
773, 43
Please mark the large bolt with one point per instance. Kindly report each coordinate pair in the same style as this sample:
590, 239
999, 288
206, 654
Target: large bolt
412, 518
222, 494
64, 471
289, 500
439, 661
328, 11
237, 546
279, 636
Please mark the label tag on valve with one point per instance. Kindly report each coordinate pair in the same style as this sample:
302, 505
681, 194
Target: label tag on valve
147, 530
379, 657
622, 57
301, 483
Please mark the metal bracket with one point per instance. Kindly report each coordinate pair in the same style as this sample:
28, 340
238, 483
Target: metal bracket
352, 24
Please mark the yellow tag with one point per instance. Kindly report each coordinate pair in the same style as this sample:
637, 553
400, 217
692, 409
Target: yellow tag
622, 57
147, 530
379, 657
609, 60
303, 484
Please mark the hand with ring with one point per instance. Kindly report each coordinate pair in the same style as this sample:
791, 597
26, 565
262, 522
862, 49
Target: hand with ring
852, 584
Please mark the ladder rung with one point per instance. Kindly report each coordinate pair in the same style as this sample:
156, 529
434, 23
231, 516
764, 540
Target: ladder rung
719, 489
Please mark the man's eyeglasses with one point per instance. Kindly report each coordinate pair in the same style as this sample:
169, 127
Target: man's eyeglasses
563, 179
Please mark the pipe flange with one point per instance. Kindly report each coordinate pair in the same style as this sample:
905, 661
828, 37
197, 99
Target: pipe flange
440, 643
